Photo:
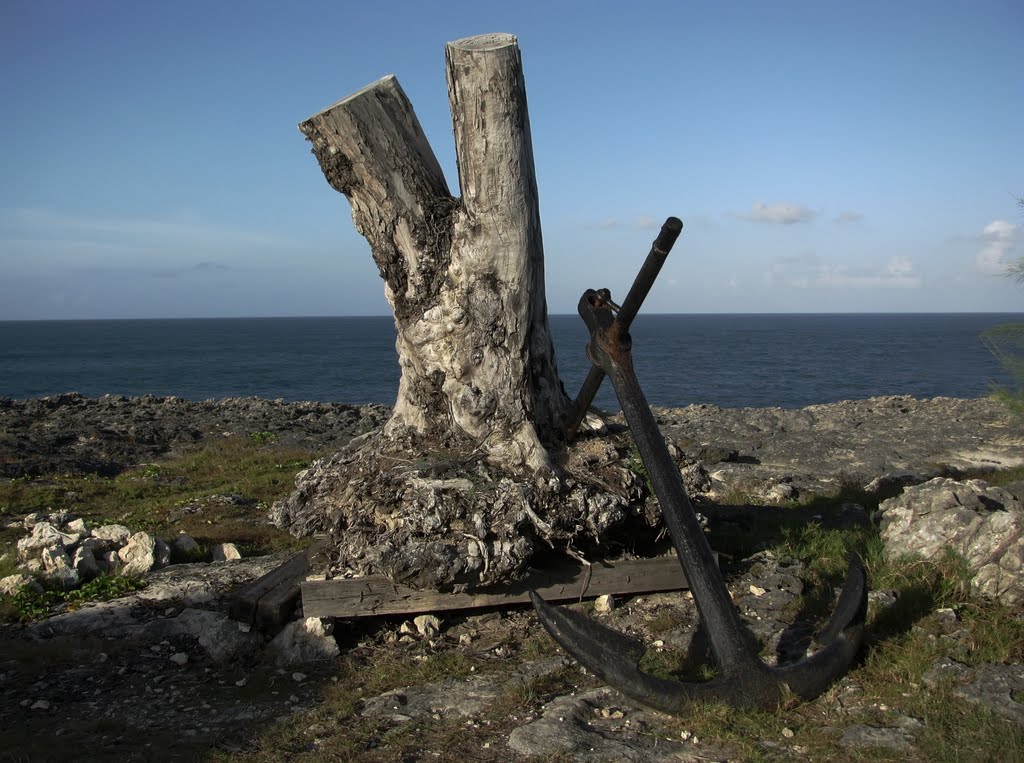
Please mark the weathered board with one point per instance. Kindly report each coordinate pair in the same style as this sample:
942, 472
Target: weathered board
369, 596
269, 600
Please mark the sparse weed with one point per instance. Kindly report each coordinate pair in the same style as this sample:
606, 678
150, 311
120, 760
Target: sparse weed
32, 605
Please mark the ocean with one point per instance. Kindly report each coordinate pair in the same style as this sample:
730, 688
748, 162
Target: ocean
787, 361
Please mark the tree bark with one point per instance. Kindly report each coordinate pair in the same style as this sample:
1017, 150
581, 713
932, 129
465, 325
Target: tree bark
465, 277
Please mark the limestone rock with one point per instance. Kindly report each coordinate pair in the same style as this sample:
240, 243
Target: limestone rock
115, 534
877, 736
427, 626
979, 522
226, 552
997, 687
57, 567
31, 520
216, 633
604, 604
139, 555
77, 527
162, 553
306, 640
576, 728
12, 584
44, 536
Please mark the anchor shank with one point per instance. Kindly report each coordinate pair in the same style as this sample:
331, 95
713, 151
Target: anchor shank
723, 623
642, 284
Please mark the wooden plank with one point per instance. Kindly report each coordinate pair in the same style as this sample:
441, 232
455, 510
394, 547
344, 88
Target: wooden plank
364, 597
269, 599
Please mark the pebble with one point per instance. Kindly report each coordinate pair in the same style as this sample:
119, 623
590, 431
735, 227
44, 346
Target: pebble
179, 658
604, 604
40, 704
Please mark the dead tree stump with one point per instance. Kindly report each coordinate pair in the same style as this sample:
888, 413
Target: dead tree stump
460, 486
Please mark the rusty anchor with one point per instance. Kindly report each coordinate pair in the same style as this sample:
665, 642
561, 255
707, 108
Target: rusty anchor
742, 679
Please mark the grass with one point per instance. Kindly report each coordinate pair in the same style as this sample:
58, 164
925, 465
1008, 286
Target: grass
30, 605
214, 493
211, 493
193, 492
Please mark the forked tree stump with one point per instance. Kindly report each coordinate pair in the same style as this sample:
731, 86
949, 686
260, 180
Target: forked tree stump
470, 477
465, 277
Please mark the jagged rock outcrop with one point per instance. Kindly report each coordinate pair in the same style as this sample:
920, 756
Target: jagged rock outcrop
882, 443
72, 434
980, 523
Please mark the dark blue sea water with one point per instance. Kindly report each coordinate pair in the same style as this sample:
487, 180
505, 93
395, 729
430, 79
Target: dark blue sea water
729, 360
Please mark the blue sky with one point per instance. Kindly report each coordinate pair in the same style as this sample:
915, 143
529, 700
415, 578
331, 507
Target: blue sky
824, 156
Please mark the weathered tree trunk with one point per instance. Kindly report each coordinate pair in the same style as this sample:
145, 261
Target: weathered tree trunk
465, 277
457, 489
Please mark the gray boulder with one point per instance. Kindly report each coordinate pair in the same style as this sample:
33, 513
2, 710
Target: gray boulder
980, 523
184, 545
84, 562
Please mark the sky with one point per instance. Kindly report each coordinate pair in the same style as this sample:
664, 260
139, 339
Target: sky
824, 157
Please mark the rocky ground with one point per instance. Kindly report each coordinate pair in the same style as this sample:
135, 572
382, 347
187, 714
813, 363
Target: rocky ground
164, 674
75, 434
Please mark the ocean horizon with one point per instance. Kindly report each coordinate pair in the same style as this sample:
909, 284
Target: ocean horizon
787, 360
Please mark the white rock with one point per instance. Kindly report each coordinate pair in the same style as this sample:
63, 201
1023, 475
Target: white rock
224, 552
216, 634
981, 523
57, 567
32, 566
604, 604
44, 535
40, 704
12, 584
54, 558
306, 640
179, 658
427, 626
34, 518
77, 527
115, 534
138, 555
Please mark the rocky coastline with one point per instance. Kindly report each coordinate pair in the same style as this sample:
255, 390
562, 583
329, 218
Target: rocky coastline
755, 449
163, 673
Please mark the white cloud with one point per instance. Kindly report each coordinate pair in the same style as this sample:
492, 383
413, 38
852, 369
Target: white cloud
849, 216
999, 238
897, 273
807, 271
782, 213
33, 224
